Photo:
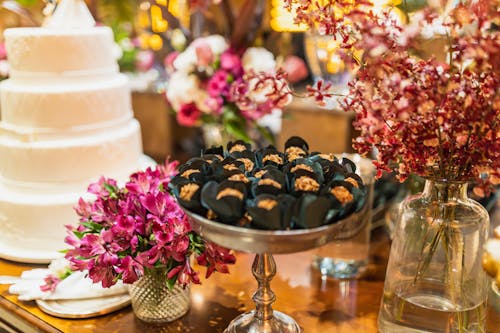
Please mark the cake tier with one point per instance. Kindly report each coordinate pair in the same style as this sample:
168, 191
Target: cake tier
33, 224
41, 51
71, 159
43, 106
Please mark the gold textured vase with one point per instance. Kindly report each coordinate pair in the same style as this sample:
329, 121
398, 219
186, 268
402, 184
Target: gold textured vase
153, 302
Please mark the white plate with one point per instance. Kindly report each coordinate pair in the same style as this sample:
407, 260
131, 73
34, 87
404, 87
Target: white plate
84, 308
22, 255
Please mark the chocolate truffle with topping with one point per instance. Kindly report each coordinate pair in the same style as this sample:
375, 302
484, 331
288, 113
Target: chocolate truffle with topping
302, 181
247, 158
210, 158
239, 176
272, 182
238, 146
188, 193
226, 168
329, 164
311, 211
196, 169
260, 172
296, 147
213, 154
304, 164
226, 199
345, 196
355, 180
265, 212
214, 150
271, 212
270, 156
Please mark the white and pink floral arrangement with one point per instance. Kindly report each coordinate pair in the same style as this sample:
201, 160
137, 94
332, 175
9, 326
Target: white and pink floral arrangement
212, 82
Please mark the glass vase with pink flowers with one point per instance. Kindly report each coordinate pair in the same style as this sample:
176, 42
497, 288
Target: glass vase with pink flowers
137, 233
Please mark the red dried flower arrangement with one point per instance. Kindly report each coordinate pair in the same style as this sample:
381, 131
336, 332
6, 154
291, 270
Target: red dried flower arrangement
434, 118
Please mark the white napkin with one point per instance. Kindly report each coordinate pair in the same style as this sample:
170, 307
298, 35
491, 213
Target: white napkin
75, 286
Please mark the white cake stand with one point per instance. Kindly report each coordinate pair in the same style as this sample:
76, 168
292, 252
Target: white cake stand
266, 243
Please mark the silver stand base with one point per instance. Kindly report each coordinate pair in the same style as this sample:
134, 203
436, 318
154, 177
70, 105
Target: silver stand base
248, 323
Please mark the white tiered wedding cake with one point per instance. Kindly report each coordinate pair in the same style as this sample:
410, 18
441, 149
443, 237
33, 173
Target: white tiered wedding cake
66, 119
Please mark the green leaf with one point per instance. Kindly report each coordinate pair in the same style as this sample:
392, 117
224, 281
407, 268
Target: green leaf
93, 226
237, 131
79, 234
128, 60
65, 274
229, 114
110, 188
234, 124
196, 243
171, 282
216, 64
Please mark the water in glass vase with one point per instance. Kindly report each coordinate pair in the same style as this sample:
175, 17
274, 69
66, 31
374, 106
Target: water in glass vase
420, 311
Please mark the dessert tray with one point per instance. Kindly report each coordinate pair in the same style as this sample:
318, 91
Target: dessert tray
270, 202
264, 244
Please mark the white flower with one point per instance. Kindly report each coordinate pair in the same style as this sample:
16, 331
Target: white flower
187, 60
258, 59
182, 88
59, 267
216, 42
260, 94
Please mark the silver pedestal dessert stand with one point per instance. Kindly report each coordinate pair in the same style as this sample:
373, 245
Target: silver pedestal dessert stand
266, 243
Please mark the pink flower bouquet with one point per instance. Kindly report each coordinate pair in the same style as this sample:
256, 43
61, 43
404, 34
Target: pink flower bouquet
128, 231
212, 82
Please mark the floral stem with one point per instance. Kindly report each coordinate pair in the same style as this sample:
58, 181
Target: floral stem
425, 262
480, 316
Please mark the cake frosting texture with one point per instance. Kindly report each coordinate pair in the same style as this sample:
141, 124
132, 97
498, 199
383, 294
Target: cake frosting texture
40, 51
65, 120
38, 105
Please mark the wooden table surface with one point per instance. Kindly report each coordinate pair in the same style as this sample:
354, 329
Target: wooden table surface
318, 305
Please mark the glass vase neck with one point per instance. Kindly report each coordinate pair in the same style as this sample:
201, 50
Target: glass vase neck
444, 190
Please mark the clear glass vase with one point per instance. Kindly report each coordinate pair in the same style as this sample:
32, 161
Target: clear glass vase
434, 280
153, 302
215, 135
